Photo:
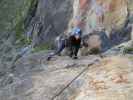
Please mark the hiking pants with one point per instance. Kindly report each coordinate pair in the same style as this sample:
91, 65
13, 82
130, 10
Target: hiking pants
74, 50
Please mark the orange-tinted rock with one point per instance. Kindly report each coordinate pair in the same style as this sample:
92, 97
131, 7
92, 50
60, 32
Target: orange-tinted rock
94, 41
109, 80
97, 14
116, 16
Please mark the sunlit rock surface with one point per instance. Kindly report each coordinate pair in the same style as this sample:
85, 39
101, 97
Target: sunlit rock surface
32, 78
88, 78
109, 16
96, 14
109, 80
38, 79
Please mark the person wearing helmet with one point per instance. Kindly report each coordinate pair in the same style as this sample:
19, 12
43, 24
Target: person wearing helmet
75, 42
72, 42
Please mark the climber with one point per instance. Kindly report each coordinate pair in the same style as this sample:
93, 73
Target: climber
75, 42
72, 42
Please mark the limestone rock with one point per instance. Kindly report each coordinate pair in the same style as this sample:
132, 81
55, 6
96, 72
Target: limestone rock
12, 16
94, 14
62, 78
111, 81
33, 78
51, 19
37, 79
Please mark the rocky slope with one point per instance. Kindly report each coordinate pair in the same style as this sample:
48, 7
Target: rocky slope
111, 80
34, 22
88, 78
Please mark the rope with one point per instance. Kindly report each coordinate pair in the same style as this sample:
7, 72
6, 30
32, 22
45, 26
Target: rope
72, 80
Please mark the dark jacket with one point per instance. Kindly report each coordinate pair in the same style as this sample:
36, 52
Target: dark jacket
74, 42
70, 43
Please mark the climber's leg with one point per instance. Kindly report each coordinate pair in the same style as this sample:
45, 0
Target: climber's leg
76, 49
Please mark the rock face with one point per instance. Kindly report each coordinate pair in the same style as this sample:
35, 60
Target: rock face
111, 81
95, 14
130, 8
109, 16
51, 19
12, 15
47, 19
88, 78
41, 18
40, 21
89, 15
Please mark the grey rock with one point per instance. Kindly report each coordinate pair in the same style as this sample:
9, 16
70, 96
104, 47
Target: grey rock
51, 19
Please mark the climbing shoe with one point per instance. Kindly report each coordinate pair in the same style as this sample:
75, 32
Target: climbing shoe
75, 57
48, 58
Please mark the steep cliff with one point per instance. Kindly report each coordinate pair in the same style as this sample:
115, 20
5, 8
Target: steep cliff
50, 19
109, 16
12, 16
38, 22
26, 24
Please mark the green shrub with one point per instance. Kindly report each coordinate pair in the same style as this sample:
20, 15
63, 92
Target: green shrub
128, 50
43, 47
20, 17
